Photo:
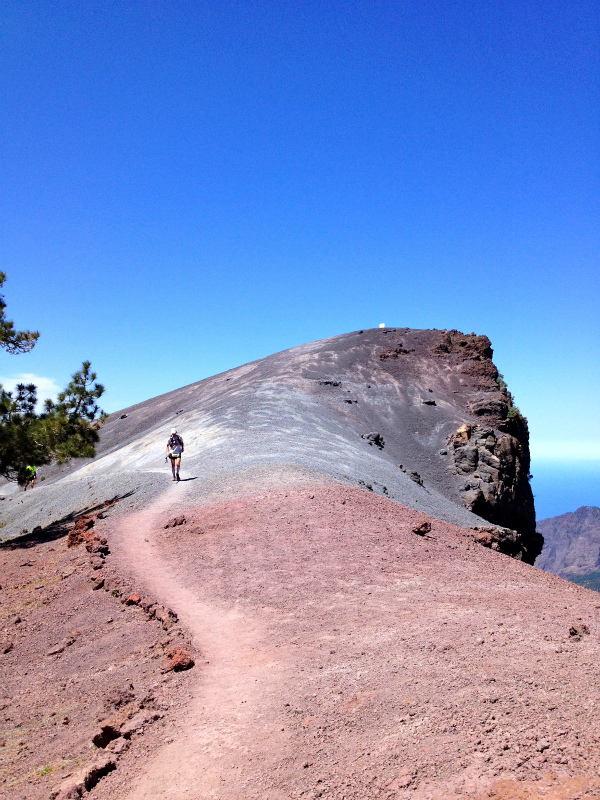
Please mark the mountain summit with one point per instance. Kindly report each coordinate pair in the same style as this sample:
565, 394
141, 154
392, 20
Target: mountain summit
420, 416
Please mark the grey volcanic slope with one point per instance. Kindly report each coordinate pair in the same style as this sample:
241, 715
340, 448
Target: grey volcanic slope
308, 409
571, 543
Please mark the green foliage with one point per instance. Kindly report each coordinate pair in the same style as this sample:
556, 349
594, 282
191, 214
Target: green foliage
11, 340
65, 429
500, 381
514, 413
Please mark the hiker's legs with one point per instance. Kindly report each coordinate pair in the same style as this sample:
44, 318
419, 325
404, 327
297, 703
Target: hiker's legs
178, 462
172, 460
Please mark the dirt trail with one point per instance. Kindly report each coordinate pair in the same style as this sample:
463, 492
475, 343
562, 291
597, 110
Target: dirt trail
343, 656
233, 683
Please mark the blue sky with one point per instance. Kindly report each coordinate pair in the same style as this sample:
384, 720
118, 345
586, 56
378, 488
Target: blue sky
188, 186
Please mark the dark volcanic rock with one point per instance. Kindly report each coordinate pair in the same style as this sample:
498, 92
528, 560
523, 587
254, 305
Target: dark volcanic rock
497, 465
308, 407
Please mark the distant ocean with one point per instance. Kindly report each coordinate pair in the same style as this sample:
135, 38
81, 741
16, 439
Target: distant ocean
562, 486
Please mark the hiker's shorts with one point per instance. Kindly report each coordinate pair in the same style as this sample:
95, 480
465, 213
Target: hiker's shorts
174, 456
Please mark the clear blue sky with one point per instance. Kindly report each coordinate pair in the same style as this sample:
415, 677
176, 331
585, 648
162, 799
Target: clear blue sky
188, 186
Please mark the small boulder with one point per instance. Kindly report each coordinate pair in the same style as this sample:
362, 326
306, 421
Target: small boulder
577, 632
178, 659
374, 438
422, 529
541, 745
77, 533
133, 600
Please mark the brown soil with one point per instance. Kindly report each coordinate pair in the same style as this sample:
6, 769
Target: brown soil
342, 650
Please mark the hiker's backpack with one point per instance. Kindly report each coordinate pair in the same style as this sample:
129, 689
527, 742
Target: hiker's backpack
174, 441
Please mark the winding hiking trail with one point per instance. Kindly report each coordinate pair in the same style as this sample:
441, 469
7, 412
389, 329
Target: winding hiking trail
342, 656
233, 684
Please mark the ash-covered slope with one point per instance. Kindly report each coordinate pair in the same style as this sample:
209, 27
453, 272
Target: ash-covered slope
417, 415
571, 543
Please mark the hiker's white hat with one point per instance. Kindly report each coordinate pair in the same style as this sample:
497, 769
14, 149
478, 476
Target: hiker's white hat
173, 430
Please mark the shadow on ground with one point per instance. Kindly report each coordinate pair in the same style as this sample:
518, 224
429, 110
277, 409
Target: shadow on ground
60, 527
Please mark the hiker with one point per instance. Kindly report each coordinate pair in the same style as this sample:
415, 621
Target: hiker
29, 477
174, 451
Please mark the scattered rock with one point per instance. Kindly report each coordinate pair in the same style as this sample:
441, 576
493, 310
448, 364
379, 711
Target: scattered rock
96, 562
98, 583
577, 632
61, 646
123, 416
133, 600
166, 616
178, 659
118, 746
422, 529
86, 779
541, 745
396, 352
173, 523
98, 547
109, 729
6, 647
138, 722
77, 533
414, 476
374, 438
429, 402
148, 605
120, 697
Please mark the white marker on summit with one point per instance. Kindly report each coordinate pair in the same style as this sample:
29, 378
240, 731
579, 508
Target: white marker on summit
382, 324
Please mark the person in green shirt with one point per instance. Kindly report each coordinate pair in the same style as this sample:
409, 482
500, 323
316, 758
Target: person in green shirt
30, 473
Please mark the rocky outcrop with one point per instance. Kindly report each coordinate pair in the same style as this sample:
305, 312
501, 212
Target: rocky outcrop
495, 467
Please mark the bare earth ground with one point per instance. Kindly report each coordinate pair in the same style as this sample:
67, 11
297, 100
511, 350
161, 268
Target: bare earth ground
338, 654
109, 663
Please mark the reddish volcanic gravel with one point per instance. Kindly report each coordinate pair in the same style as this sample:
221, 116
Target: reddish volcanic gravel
72, 657
345, 656
315, 641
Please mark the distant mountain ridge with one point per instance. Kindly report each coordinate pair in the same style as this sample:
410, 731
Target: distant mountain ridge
572, 545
